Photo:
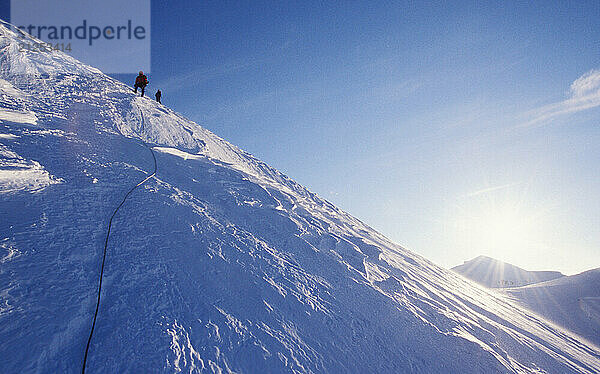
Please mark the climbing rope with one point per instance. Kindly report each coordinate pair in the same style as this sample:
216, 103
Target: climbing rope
104, 255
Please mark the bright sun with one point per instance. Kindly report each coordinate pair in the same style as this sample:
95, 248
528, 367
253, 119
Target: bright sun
504, 231
503, 227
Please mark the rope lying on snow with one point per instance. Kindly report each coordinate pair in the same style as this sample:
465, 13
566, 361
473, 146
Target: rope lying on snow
104, 255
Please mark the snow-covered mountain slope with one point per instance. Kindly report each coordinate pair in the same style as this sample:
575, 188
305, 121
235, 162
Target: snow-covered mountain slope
498, 274
572, 302
219, 263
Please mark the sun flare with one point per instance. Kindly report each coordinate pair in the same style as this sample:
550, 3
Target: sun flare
501, 229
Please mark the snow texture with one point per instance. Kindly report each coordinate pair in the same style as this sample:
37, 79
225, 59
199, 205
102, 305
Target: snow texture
218, 264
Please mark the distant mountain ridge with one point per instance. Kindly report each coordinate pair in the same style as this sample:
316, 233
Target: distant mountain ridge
572, 302
494, 273
218, 263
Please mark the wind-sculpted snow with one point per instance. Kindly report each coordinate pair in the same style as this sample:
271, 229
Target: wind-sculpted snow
220, 263
19, 174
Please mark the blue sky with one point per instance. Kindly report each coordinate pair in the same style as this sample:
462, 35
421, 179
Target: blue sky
456, 129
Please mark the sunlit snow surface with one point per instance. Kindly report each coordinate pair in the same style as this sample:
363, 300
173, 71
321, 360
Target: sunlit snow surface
572, 302
220, 263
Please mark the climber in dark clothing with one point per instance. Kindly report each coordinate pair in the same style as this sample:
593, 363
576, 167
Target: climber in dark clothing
141, 81
158, 94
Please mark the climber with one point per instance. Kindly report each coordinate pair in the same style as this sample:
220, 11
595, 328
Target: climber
158, 94
141, 81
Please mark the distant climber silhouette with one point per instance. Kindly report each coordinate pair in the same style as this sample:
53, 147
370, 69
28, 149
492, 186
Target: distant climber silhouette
158, 94
141, 81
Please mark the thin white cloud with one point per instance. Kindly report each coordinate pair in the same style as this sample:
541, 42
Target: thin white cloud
198, 76
584, 93
491, 189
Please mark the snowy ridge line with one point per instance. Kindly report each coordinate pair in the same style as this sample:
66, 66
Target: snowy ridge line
104, 253
288, 283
